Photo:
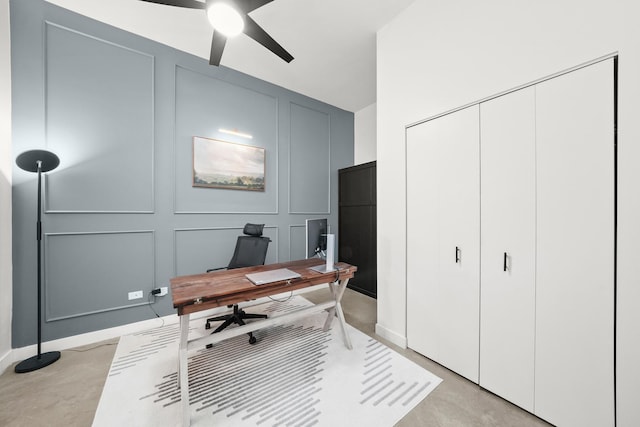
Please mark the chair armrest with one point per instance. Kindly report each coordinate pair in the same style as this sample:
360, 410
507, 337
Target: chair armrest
215, 269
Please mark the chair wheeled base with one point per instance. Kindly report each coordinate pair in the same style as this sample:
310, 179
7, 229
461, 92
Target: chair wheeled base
236, 317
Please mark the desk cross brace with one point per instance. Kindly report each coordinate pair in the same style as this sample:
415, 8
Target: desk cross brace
337, 290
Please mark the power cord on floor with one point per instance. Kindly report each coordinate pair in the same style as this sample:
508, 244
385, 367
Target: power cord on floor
91, 348
150, 295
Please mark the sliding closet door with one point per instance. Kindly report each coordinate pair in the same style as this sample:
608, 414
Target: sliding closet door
574, 363
507, 309
443, 223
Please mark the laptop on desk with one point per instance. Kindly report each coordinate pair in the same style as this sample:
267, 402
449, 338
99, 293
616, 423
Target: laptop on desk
271, 276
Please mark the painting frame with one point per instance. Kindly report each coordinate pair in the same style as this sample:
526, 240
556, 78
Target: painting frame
227, 165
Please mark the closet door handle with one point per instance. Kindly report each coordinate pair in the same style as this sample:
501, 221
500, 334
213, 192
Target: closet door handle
457, 254
504, 263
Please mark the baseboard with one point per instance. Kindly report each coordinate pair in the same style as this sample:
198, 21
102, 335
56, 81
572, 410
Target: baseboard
22, 353
389, 335
5, 361
88, 338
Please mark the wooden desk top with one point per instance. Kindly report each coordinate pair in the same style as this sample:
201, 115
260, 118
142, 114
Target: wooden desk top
203, 291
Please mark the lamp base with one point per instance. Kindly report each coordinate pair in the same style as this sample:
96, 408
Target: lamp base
36, 362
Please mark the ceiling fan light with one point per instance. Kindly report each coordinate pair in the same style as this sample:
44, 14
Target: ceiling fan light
225, 19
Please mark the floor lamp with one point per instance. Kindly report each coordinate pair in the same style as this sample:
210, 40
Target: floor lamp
39, 161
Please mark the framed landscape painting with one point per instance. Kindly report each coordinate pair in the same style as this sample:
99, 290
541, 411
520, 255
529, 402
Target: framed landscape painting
221, 164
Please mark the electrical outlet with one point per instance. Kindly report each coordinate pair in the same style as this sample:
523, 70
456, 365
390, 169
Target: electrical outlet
160, 292
135, 295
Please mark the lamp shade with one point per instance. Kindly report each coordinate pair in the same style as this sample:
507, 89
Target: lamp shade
29, 161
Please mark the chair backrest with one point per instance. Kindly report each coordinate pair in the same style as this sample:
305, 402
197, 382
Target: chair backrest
251, 249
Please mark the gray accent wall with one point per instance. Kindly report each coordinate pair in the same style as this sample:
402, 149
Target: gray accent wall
121, 213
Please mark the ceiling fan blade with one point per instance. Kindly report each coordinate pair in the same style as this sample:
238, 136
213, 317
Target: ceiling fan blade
191, 4
217, 47
251, 5
253, 30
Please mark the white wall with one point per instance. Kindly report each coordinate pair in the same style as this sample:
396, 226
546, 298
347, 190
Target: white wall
5, 186
436, 56
364, 149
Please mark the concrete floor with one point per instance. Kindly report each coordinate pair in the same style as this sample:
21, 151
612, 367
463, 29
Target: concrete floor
67, 392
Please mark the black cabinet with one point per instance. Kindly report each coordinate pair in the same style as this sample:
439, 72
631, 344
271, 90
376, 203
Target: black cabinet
357, 225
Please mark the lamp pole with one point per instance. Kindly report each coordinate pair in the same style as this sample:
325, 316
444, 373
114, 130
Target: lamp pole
39, 161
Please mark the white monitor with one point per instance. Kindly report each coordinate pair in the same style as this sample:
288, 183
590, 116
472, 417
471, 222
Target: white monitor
316, 241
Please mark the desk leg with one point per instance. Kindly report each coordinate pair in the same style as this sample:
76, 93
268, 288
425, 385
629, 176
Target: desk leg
183, 370
337, 291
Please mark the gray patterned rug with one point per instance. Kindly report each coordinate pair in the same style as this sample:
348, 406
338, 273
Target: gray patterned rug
295, 375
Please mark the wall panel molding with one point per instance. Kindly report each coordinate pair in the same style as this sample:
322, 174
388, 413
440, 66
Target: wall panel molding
78, 276
120, 111
297, 241
209, 107
309, 161
99, 103
212, 247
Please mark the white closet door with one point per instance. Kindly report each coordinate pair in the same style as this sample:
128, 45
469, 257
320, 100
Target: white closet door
443, 223
423, 181
507, 316
575, 248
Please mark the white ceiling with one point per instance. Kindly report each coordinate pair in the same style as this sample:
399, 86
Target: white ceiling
333, 41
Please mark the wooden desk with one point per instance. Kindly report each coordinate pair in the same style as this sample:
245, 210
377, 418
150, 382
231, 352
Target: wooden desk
200, 292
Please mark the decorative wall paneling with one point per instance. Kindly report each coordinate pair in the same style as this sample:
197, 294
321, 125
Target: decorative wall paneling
120, 111
199, 249
310, 182
297, 242
204, 105
547, 244
79, 272
99, 104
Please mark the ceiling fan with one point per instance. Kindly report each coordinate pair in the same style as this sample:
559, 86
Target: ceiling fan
231, 17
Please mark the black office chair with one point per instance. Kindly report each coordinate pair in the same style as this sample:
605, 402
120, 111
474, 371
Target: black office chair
251, 249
